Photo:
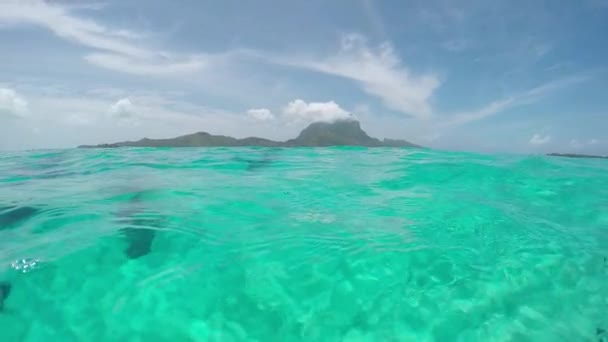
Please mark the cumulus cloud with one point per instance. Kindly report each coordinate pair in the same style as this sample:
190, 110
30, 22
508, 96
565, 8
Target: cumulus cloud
116, 49
12, 104
261, 114
538, 139
299, 110
379, 71
593, 141
122, 109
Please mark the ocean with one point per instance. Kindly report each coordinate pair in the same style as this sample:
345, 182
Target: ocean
301, 244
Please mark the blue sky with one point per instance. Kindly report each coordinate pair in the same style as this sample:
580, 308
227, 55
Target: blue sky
489, 76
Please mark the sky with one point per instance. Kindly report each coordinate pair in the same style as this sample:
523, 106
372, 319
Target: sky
487, 76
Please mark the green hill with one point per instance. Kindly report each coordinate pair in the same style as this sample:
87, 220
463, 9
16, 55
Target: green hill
317, 134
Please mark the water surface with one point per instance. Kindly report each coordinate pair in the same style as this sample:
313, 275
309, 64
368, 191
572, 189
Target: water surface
335, 244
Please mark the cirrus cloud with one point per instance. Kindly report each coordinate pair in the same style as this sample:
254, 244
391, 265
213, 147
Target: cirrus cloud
115, 49
378, 70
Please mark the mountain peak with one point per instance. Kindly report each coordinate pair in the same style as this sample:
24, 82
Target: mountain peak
336, 124
345, 132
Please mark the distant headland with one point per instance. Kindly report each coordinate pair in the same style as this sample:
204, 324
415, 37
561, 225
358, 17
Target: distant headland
317, 134
575, 155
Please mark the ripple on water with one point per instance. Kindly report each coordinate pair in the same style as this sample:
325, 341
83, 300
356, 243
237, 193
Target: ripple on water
301, 244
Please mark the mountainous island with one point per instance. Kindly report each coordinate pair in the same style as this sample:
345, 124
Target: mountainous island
317, 134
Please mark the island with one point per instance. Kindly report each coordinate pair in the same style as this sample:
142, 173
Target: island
317, 134
575, 155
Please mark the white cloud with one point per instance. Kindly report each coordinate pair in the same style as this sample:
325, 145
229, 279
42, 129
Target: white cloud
118, 49
12, 104
122, 109
484, 112
535, 93
299, 110
593, 142
261, 114
156, 114
129, 65
523, 98
538, 139
66, 25
379, 71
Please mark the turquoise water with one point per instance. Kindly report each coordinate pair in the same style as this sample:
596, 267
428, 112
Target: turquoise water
336, 244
